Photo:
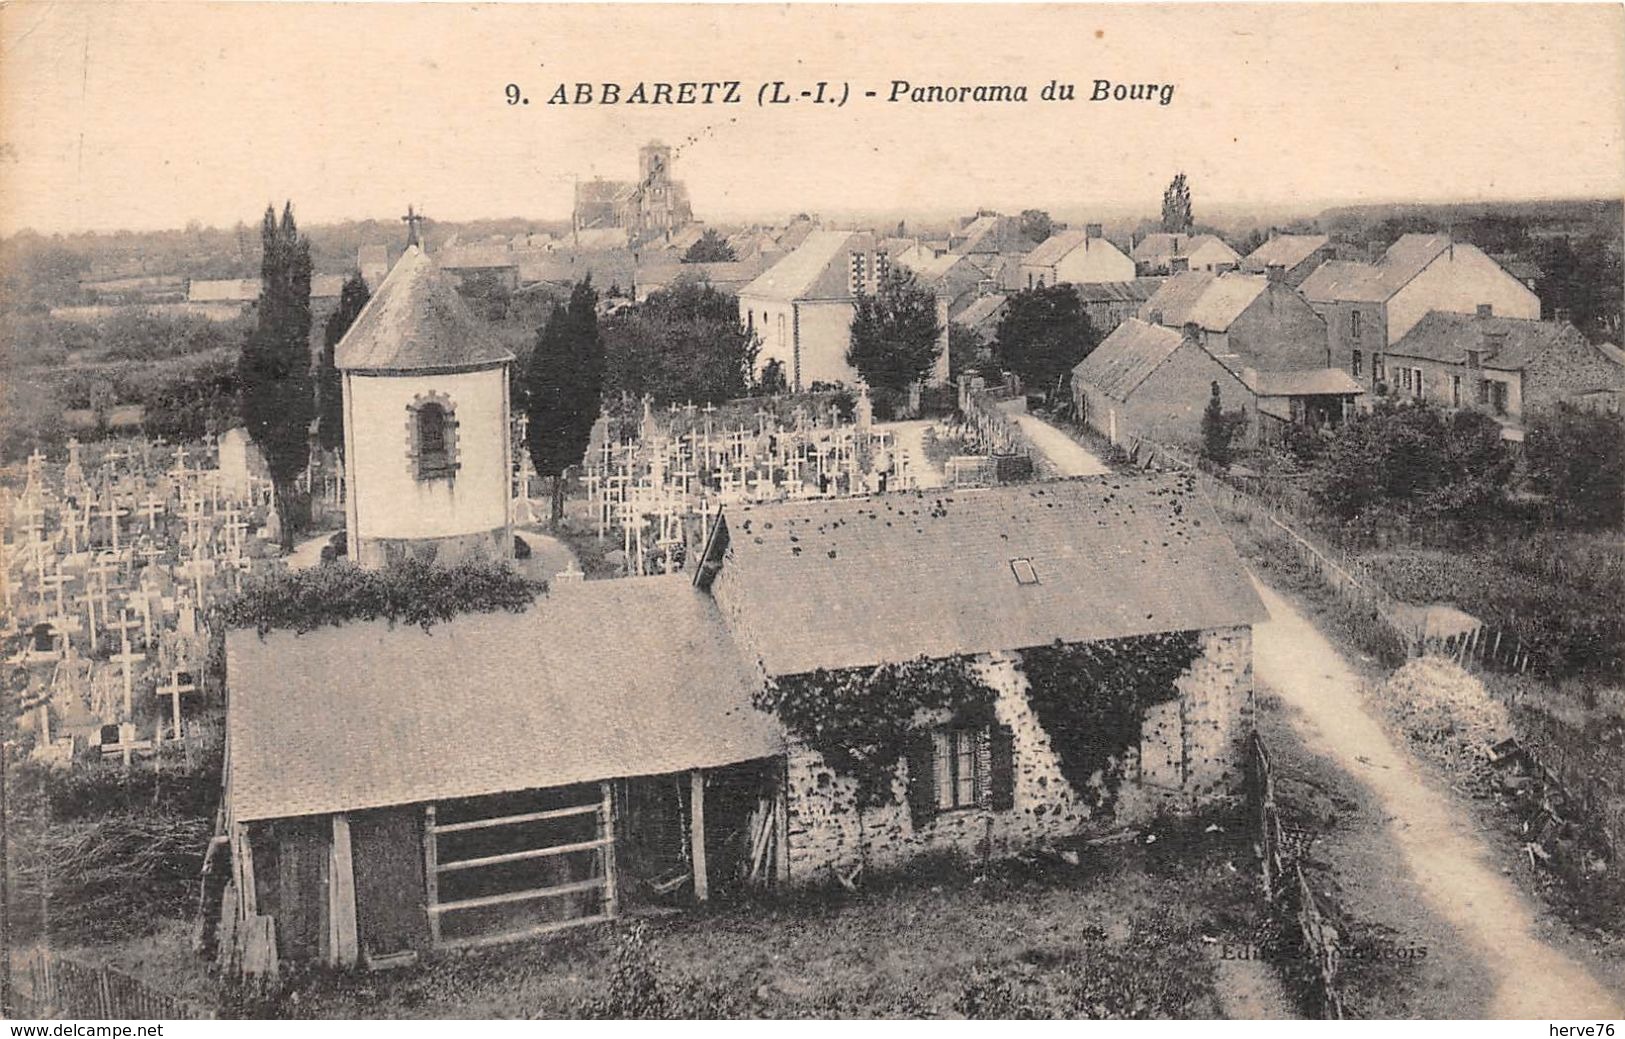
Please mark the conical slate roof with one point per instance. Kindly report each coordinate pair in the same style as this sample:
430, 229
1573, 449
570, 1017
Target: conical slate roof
416, 322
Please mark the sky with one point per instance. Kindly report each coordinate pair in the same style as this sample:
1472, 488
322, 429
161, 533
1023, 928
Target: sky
150, 115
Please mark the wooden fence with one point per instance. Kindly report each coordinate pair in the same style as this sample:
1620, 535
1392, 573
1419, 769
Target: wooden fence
1287, 890
47, 985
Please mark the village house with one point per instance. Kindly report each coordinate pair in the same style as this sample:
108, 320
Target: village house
1163, 253
952, 278
665, 273
1257, 319
1507, 367
481, 265
1296, 254
509, 774
1370, 306
1151, 381
801, 308
1076, 258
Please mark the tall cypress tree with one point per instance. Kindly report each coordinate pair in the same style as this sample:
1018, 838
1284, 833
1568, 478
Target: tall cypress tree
274, 368
329, 386
563, 385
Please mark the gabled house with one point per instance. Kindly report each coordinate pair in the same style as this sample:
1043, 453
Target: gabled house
1256, 318
1164, 253
1152, 381
1076, 258
992, 234
1508, 367
1296, 254
1370, 306
801, 308
983, 315
953, 278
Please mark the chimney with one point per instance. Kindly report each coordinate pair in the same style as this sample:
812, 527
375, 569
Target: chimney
1191, 333
1486, 310
1276, 273
1093, 231
1155, 317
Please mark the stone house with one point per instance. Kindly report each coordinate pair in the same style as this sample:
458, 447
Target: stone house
1507, 367
1075, 258
1370, 306
1110, 303
1150, 381
506, 775
1296, 254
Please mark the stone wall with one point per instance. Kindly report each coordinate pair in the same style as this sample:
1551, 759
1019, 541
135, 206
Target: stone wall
1203, 740
489, 546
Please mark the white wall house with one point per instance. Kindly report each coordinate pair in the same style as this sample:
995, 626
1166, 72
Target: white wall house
801, 308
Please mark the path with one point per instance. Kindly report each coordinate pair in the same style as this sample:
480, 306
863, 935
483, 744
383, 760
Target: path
1449, 861
1066, 454
910, 440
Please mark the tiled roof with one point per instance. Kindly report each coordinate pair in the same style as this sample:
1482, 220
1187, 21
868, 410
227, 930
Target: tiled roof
1344, 280
1136, 290
1314, 382
1156, 246
1287, 250
1505, 343
598, 680
1211, 301
477, 257
855, 582
1123, 359
1055, 248
416, 321
982, 314
798, 274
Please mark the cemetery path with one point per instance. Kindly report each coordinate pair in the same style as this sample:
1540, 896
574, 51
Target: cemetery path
1066, 454
910, 439
1451, 864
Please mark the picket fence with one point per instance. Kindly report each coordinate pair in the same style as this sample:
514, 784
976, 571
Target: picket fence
48, 985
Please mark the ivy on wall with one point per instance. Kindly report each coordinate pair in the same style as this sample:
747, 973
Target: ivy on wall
408, 591
859, 719
1090, 697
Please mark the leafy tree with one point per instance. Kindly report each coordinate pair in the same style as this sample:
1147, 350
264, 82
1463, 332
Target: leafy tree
1036, 225
772, 380
1176, 206
274, 369
967, 348
563, 387
1220, 429
1415, 460
1577, 459
329, 386
1043, 334
1584, 283
1252, 240
710, 247
895, 336
685, 343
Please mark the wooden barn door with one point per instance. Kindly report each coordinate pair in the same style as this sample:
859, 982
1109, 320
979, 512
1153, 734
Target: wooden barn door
391, 907
513, 866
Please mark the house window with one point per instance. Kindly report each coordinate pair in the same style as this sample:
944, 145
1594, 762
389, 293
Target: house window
1356, 365
959, 766
1404, 378
859, 275
1498, 397
1455, 391
1379, 371
1354, 324
1023, 569
1416, 382
432, 429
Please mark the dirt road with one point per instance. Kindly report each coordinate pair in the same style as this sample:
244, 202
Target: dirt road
1066, 454
1450, 863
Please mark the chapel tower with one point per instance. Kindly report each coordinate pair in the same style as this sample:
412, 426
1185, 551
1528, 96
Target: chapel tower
427, 452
